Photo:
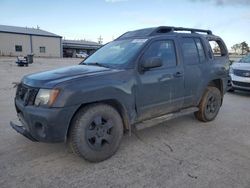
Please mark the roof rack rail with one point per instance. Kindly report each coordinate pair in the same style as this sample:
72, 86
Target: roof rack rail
166, 29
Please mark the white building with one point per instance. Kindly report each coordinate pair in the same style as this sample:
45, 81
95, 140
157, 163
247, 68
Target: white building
20, 41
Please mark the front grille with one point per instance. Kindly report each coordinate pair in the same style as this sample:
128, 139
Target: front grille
26, 94
242, 84
242, 73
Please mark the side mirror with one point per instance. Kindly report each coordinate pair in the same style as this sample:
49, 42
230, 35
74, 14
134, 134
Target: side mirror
152, 62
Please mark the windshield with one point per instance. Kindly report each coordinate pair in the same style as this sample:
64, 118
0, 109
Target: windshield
115, 53
245, 59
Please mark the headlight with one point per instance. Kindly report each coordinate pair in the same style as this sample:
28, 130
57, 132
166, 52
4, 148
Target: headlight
46, 97
231, 71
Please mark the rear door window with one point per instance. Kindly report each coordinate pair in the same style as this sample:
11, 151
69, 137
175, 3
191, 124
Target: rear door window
190, 52
201, 51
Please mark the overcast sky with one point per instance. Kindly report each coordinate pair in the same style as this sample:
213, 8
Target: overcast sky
89, 19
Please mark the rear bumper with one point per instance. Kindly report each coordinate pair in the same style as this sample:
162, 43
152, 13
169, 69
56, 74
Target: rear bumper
43, 124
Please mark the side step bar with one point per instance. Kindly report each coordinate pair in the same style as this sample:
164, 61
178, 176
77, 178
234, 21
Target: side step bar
158, 120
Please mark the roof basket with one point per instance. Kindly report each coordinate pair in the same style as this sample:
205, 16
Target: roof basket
167, 29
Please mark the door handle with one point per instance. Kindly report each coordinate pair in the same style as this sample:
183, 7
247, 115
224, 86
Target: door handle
178, 74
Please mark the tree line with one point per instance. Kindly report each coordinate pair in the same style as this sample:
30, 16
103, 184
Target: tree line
241, 48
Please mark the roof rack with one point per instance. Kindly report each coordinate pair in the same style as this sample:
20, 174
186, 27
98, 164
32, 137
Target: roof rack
159, 30
167, 29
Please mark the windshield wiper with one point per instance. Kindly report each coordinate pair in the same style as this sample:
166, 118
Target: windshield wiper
97, 64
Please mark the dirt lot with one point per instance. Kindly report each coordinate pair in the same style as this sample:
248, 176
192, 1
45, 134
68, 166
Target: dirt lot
180, 153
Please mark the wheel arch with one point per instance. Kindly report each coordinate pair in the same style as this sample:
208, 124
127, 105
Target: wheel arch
112, 102
218, 83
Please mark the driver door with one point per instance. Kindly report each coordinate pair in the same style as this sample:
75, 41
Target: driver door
160, 90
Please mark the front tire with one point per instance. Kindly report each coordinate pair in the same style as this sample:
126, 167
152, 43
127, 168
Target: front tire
96, 132
209, 105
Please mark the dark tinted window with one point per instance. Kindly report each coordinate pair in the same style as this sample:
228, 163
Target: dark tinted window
42, 49
163, 49
190, 53
200, 50
18, 48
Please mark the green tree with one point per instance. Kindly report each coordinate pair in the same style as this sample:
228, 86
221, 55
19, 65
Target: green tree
216, 48
236, 48
244, 48
241, 48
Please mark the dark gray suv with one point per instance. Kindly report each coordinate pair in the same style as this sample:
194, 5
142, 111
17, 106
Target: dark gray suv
140, 79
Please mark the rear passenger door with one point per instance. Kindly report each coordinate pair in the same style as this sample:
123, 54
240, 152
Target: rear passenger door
195, 63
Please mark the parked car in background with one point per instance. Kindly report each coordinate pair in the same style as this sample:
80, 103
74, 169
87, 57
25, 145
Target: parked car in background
82, 55
240, 74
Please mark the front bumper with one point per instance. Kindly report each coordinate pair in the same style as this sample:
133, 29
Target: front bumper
240, 83
43, 124
22, 131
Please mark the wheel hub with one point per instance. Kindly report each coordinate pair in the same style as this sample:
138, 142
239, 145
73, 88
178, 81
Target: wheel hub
211, 105
99, 132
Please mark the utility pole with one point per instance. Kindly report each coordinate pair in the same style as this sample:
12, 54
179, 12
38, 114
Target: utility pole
100, 40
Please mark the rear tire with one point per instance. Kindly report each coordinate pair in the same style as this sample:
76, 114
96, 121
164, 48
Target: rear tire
209, 105
96, 132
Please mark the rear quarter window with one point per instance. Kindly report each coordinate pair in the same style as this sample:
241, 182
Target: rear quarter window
218, 48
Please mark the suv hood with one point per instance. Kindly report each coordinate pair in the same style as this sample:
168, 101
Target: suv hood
241, 66
49, 79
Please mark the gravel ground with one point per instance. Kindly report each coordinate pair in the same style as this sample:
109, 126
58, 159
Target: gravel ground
179, 153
